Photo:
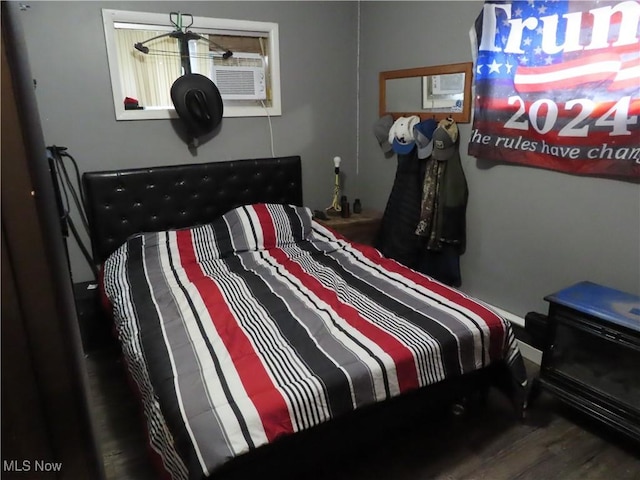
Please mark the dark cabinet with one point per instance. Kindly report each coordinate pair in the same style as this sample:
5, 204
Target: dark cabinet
591, 354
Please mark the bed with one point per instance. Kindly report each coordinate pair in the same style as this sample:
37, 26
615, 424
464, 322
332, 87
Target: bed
245, 324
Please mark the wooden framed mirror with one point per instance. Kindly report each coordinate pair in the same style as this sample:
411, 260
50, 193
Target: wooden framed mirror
429, 92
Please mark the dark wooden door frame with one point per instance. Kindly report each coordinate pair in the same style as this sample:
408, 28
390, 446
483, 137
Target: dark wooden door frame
43, 314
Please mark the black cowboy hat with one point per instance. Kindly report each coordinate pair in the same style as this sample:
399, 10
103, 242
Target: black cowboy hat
197, 102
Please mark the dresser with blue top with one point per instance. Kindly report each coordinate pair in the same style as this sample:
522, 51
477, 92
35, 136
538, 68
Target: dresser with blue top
591, 354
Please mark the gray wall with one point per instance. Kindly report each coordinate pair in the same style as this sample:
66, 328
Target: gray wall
67, 52
530, 231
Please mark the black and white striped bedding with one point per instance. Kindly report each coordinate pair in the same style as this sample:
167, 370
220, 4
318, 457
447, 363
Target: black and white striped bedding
263, 323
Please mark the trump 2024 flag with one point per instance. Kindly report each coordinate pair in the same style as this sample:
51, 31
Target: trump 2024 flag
557, 86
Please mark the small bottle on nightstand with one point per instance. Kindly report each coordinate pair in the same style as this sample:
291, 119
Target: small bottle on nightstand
344, 207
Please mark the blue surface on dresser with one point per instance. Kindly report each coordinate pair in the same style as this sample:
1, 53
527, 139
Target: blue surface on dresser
615, 306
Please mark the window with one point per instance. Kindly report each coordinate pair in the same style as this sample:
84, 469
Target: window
144, 61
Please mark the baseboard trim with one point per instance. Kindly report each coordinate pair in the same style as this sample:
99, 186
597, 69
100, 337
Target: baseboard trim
512, 317
528, 352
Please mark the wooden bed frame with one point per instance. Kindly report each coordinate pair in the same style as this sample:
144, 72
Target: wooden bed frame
122, 203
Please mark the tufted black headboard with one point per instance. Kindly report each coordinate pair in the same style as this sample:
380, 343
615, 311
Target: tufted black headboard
122, 203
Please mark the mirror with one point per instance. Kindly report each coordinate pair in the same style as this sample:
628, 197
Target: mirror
429, 92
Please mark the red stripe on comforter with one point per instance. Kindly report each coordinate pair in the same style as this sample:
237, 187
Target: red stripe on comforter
266, 221
491, 319
403, 357
267, 399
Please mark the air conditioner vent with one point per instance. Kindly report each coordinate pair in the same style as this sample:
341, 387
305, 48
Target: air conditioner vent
241, 77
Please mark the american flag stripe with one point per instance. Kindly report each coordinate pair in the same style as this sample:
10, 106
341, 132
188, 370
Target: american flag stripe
569, 74
489, 107
628, 77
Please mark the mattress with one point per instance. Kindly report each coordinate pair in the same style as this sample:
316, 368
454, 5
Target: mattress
264, 323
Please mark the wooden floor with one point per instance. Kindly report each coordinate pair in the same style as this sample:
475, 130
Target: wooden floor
486, 442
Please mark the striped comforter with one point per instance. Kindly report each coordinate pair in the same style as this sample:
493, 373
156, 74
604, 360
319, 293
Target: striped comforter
264, 323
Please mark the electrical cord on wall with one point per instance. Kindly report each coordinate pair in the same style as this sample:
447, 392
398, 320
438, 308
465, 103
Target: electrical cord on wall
358, 103
63, 186
273, 154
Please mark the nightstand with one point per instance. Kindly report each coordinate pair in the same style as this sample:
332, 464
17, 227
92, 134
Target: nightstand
359, 227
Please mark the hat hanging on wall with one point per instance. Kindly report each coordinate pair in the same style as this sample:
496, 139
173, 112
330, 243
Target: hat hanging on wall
198, 103
423, 135
445, 139
401, 134
381, 129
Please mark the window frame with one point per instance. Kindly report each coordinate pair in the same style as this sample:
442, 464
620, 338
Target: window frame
236, 27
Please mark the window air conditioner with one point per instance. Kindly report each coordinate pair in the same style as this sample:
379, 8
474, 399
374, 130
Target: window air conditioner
240, 77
